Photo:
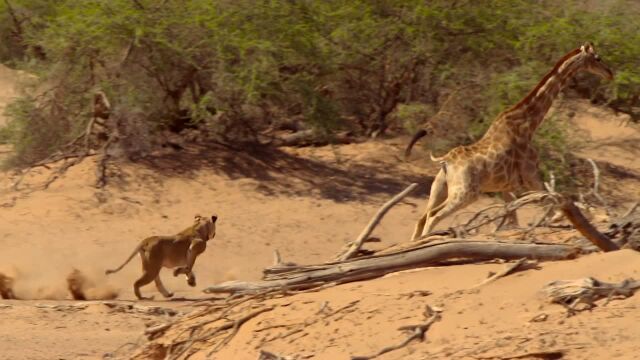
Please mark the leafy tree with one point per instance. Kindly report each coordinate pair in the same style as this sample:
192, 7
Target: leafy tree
235, 70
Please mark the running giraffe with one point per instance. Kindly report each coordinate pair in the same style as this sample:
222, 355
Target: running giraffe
503, 160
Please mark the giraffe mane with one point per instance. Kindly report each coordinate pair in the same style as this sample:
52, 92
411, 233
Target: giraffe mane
546, 78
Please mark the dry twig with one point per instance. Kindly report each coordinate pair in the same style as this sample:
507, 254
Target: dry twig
511, 268
417, 332
596, 185
299, 327
234, 325
506, 210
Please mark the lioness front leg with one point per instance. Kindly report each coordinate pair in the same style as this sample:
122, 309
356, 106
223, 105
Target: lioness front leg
191, 277
197, 247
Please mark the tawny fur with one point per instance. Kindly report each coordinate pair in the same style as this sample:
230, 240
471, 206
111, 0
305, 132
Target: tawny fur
177, 251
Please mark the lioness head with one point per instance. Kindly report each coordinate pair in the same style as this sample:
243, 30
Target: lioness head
205, 227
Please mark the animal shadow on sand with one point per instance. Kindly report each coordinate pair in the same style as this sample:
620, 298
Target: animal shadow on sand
282, 173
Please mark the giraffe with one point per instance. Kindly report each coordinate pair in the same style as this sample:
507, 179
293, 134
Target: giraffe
503, 160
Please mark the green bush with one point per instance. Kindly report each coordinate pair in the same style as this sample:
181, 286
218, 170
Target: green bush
234, 68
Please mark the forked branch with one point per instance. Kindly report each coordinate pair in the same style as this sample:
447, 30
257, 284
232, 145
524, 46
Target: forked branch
355, 246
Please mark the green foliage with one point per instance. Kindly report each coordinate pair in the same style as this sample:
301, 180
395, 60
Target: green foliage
554, 150
235, 67
30, 132
411, 116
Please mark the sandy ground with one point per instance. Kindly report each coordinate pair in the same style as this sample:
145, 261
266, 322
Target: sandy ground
306, 203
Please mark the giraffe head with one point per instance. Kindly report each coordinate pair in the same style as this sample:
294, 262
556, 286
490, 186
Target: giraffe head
593, 63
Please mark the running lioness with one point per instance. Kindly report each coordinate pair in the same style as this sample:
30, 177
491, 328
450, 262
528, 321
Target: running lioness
178, 251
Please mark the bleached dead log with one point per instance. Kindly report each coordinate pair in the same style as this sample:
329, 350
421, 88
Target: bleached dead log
304, 277
571, 293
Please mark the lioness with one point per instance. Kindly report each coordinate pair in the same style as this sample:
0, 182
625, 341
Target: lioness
180, 250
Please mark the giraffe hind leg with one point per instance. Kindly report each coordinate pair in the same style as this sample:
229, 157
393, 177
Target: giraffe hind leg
456, 201
437, 199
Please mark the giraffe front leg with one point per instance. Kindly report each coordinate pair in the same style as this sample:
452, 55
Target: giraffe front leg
530, 171
532, 181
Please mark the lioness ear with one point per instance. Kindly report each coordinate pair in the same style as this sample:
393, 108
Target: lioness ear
214, 218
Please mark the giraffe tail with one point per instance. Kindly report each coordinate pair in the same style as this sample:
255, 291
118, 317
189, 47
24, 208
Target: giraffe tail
421, 133
437, 159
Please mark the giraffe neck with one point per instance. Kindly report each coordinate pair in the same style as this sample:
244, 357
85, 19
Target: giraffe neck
525, 117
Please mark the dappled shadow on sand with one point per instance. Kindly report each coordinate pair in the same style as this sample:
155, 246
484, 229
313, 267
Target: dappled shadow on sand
281, 173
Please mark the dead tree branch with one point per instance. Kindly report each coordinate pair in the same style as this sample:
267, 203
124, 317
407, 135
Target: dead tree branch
300, 327
355, 246
101, 166
506, 210
587, 230
631, 210
233, 325
306, 277
568, 208
571, 293
596, 185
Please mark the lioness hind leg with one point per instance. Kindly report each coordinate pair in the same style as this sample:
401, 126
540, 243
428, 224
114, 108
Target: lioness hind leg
161, 288
149, 274
144, 280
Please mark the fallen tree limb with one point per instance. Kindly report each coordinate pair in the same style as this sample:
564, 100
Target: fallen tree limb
418, 332
581, 224
571, 293
305, 277
355, 246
